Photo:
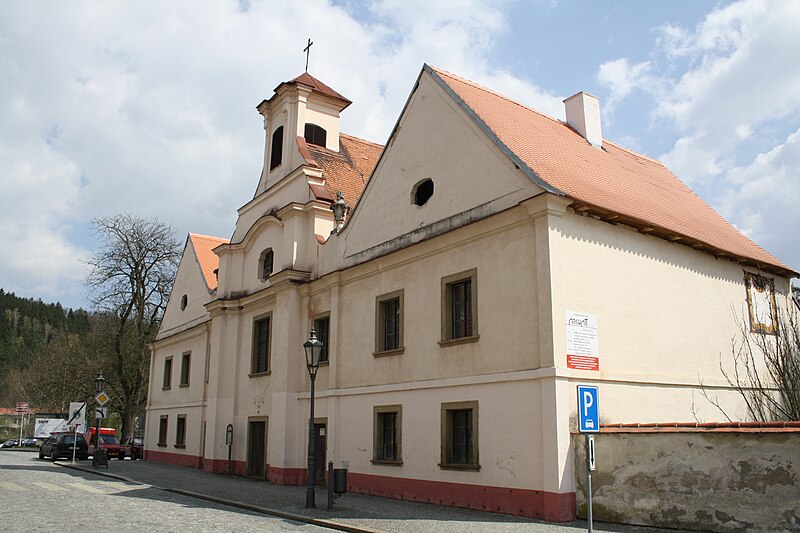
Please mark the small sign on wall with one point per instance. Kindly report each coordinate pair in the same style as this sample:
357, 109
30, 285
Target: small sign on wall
582, 353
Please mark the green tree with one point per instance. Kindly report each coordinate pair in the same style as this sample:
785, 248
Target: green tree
129, 284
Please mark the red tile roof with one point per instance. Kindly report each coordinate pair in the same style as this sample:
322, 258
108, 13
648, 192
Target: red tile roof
348, 169
209, 261
310, 81
614, 179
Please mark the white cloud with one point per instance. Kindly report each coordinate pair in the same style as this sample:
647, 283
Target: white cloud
621, 78
763, 198
149, 107
740, 78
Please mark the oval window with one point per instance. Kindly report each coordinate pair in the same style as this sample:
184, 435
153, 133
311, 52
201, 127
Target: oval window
422, 192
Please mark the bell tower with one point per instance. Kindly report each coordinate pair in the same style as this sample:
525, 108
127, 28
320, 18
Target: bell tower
303, 109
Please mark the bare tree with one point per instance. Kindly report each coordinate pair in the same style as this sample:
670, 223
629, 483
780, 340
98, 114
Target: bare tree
766, 369
130, 281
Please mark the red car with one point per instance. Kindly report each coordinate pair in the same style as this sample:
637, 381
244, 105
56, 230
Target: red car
108, 442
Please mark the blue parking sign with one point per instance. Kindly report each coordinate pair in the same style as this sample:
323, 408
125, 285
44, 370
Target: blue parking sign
588, 409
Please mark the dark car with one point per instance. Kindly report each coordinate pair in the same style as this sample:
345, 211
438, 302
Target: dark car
112, 446
135, 447
62, 445
11, 443
28, 442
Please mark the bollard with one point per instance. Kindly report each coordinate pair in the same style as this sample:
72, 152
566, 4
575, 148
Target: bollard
330, 485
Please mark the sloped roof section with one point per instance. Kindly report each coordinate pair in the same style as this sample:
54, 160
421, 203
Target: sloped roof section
310, 81
348, 169
209, 261
613, 179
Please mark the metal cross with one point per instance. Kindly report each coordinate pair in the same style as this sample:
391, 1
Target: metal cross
307, 50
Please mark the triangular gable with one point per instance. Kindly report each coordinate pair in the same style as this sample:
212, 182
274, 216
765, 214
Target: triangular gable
195, 281
434, 139
613, 179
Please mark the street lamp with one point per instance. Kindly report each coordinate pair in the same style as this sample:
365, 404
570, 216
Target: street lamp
97, 460
313, 348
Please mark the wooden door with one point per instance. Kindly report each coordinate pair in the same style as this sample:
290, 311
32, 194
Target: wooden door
257, 449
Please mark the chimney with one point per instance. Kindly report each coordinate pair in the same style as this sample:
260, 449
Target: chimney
583, 114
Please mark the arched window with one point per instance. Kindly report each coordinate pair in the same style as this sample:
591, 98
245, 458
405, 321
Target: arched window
265, 262
184, 302
277, 148
315, 135
422, 192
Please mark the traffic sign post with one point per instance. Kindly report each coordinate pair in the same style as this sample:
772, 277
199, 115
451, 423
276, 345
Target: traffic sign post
588, 423
77, 416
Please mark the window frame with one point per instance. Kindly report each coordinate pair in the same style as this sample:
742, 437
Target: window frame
166, 379
276, 149
163, 428
378, 434
180, 431
311, 130
448, 283
186, 365
325, 355
254, 370
447, 443
263, 275
381, 319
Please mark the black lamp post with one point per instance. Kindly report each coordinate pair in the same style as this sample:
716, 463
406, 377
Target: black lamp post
100, 385
313, 348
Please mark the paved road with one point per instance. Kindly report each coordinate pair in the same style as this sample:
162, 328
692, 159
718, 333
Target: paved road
38, 496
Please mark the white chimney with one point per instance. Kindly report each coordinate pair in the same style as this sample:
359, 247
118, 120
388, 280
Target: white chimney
583, 114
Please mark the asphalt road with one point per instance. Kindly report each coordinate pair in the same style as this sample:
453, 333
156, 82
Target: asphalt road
37, 495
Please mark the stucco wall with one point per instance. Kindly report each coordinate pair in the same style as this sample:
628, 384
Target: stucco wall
740, 479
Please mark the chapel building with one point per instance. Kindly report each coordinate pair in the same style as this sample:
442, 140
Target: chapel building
488, 259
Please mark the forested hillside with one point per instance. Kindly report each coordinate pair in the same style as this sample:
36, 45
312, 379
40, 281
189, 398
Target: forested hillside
28, 329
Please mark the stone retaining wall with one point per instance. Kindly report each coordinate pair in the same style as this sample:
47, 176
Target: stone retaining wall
705, 477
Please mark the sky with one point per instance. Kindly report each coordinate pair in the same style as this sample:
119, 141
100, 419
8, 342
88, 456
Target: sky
148, 107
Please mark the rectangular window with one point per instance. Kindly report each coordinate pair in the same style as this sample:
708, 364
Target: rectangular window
460, 435
459, 307
389, 322
166, 383
180, 432
162, 430
261, 335
185, 362
387, 434
322, 327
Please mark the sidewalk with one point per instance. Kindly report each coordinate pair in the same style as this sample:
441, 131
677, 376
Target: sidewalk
351, 512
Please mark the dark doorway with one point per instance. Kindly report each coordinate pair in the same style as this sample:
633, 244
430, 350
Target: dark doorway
321, 453
257, 449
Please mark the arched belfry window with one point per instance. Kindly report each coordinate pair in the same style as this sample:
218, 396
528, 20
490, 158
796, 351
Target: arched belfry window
315, 134
277, 148
184, 302
265, 263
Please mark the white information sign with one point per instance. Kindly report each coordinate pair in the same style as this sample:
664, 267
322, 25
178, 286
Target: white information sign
45, 426
582, 352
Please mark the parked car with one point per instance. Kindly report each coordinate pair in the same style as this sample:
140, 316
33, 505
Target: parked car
11, 443
113, 447
28, 442
135, 447
62, 445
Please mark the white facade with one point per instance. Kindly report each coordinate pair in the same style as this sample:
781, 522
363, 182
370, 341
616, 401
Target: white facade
525, 254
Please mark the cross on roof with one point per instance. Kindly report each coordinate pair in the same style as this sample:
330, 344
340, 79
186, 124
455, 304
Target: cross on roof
307, 50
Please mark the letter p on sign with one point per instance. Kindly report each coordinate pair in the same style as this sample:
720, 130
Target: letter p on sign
588, 409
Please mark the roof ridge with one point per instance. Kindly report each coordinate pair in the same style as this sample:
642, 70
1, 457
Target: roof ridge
202, 236
360, 139
495, 93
